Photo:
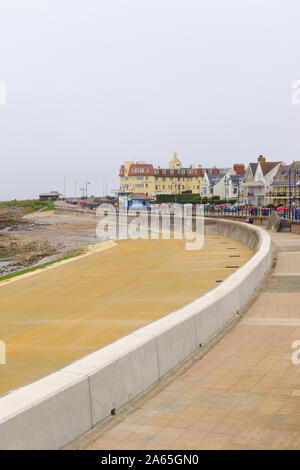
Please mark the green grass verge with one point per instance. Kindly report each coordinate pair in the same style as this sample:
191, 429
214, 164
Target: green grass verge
29, 204
70, 254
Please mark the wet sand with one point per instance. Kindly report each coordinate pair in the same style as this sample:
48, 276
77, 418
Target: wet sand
59, 315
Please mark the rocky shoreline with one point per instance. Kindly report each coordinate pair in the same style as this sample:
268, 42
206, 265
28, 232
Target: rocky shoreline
27, 240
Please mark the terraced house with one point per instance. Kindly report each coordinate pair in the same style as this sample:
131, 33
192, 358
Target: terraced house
258, 180
144, 178
285, 188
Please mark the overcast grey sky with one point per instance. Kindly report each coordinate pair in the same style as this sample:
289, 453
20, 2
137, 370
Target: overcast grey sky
91, 83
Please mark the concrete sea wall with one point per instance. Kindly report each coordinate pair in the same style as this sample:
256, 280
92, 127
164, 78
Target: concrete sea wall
58, 408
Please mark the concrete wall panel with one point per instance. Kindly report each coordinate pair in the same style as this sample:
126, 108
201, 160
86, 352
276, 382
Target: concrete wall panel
46, 414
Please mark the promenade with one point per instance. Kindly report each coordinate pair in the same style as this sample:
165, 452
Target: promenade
54, 316
243, 394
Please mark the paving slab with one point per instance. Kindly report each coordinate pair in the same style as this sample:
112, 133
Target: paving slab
243, 394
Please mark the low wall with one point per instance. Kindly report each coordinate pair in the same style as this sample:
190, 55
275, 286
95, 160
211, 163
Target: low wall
53, 411
75, 211
295, 228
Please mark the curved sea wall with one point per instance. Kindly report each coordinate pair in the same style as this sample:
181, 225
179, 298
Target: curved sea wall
53, 411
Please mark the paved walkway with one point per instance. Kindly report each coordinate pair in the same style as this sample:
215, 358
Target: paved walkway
243, 394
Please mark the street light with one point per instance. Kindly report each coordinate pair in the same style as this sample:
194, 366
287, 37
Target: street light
75, 189
65, 179
296, 172
212, 192
226, 181
82, 189
86, 186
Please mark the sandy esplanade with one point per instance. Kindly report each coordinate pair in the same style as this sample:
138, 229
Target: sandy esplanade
65, 312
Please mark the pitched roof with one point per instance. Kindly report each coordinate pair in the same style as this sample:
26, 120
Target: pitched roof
253, 167
236, 178
266, 167
213, 178
223, 171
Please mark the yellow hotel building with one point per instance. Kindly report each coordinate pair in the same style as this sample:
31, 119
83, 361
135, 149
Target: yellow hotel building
143, 178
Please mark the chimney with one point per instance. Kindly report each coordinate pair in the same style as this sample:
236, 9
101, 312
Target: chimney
239, 168
261, 159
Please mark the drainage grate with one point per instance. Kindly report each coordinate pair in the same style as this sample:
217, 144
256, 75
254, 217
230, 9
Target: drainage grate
234, 256
231, 266
219, 280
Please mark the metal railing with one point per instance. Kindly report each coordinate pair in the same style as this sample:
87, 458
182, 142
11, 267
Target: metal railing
291, 214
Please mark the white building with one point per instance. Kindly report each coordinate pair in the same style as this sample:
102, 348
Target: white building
225, 184
210, 180
228, 186
258, 181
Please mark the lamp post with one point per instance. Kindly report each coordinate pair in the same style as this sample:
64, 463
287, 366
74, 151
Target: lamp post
296, 172
65, 179
226, 182
290, 189
75, 189
86, 188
